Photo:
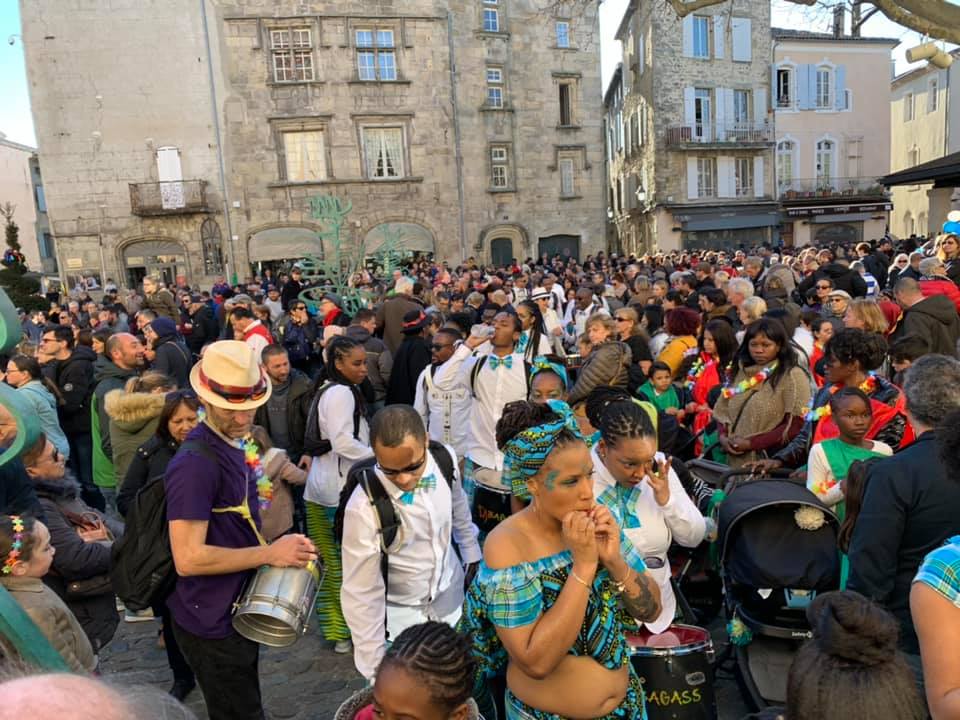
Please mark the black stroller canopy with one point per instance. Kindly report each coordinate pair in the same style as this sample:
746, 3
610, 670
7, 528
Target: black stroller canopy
763, 547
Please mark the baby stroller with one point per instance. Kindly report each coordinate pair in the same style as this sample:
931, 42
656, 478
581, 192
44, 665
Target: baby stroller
771, 569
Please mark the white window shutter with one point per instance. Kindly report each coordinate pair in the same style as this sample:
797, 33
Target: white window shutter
168, 164
689, 112
727, 111
718, 36
687, 24
759, 104
720, 112
741, 33
693, 189
726, 184
758, 181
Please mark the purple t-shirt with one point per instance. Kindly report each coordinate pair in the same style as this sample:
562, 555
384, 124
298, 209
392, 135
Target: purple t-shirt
195, 485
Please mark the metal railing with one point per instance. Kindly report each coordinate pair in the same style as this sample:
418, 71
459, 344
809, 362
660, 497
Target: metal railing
733, 133
168, 198
809, 188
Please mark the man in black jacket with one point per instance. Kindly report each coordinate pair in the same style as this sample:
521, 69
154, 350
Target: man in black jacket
171, 355
71, 370
284, 416
910, 505
203, 325
411, 358
292, 288
876, 263
934, 319
840, 274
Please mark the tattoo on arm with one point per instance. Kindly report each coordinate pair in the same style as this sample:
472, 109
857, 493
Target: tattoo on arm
638, 600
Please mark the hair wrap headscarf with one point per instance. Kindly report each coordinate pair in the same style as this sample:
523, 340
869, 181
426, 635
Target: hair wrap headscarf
526, 452
541, 364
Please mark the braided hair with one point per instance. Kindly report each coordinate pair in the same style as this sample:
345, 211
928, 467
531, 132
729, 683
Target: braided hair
538, 330
615, 414
520, 415
338, 348
438, 656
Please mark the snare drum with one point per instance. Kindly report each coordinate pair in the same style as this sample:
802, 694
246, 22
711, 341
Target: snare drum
491, 506
276, 605
676, 669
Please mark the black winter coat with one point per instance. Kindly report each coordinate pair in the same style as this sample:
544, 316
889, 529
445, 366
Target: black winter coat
205, 329
910, 507
149, 463
299, 396
78, 560
842, 277
74, 377
411, 358
934, 320
173, 359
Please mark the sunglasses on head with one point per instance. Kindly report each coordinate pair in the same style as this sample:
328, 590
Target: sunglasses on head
186, 394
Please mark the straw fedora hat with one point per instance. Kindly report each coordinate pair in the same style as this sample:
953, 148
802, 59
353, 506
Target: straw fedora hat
228, 376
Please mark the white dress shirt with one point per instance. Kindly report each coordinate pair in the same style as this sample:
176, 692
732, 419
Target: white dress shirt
552, 321
559, 297
493, 389
424, 574
328, 472
444, 402
579, 318
678, 520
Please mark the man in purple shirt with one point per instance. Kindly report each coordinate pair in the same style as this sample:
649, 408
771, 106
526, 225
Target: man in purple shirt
214, 518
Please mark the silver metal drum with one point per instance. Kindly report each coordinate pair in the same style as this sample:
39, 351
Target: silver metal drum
277, 604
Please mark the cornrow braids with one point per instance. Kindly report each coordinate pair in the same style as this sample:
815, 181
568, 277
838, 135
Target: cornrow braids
598, 400
520, 415
440, 657
337, 349
625, 419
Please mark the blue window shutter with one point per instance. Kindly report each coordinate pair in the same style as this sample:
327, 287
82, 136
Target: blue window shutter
803, 87
840, 78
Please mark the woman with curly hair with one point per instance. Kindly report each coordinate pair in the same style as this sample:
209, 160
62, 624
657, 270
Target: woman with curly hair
761, 406
682, 323
852, 357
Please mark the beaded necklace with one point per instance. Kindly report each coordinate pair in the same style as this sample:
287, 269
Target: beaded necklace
696, 370
750, 383
251, 456
866, 387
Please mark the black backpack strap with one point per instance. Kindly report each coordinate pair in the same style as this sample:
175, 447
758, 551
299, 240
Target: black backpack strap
528, 370
444, 460
474, 371
389, 523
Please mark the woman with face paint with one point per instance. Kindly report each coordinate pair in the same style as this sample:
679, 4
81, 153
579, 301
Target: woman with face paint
545, 607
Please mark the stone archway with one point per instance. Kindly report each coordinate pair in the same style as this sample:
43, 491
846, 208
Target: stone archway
160, 256
503, 243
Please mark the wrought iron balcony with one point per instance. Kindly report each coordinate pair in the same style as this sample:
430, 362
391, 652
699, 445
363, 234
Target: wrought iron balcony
168, 198
800, 189
741, 133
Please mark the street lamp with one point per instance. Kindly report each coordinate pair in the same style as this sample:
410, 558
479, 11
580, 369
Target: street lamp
609, 213
641, 194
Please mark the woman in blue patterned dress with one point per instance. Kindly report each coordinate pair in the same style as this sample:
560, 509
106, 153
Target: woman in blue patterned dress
557, 583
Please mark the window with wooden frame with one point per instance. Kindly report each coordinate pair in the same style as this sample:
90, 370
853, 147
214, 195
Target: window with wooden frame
291, 52
376, 54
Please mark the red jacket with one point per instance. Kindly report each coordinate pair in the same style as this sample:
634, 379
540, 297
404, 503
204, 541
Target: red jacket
258, 328
938, 286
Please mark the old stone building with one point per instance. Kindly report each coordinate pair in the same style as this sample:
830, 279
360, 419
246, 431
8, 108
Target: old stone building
188, 143
695, 130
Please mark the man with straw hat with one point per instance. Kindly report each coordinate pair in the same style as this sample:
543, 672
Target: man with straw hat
216, 488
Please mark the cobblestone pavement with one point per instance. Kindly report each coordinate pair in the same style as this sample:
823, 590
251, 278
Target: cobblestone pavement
307, 681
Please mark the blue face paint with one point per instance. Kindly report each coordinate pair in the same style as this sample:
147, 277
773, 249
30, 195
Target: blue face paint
551, 480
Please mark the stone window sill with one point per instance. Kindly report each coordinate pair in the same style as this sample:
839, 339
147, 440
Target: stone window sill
571, 197
487, 33
501, 191
569, 127
347, 181
288, 83
505, 108
357, 81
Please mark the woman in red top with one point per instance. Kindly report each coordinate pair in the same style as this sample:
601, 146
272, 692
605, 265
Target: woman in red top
822, 331
718, 345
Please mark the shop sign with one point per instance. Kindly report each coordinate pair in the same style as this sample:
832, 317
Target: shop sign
838, 209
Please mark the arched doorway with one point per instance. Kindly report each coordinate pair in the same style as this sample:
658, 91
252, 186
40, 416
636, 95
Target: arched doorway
401, 238
166, 259
501, 251
505, 242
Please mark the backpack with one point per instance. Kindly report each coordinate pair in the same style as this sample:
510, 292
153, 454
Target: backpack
387, 520
142, 570
478, 366
313, 444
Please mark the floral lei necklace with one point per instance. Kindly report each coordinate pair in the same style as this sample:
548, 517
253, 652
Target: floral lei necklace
251, 456
866, 387
750, 383
696, 370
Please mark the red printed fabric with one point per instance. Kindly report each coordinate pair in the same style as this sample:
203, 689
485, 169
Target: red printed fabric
882, 415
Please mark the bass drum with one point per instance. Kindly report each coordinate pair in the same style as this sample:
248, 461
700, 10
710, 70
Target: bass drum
676, 669
276, 605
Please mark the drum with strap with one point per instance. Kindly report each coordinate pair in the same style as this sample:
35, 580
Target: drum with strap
676, 669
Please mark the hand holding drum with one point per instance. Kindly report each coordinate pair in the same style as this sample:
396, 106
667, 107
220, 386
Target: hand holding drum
292, 551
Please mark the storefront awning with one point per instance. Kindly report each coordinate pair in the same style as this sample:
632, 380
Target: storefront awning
726, 218
409, 237
942, 172
283, 244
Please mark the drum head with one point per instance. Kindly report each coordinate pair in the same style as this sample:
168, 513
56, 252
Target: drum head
675, 636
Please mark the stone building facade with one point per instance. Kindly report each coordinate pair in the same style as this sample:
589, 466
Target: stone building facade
17, 188
697, 131
189, 143
923, 128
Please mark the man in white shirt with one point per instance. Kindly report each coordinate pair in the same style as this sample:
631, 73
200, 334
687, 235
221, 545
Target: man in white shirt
494, 380
555, 289
425, 579
541, 296
575, 321
442, 401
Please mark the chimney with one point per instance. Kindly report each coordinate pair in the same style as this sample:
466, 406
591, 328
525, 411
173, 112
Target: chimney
838, 18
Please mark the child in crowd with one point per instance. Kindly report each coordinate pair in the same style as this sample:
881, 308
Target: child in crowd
822, 331
830, 460
663, 394
27, 553
277, 519
427, 673
903, 353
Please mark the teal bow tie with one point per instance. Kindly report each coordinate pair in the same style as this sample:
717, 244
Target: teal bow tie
496, 362
429, 482
628, 501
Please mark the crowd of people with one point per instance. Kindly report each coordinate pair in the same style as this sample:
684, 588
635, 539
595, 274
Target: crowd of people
488, 465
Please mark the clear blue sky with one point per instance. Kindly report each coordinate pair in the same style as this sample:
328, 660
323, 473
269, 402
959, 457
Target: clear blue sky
17, 123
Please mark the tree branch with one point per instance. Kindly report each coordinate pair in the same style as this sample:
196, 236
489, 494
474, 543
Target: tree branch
936, 18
